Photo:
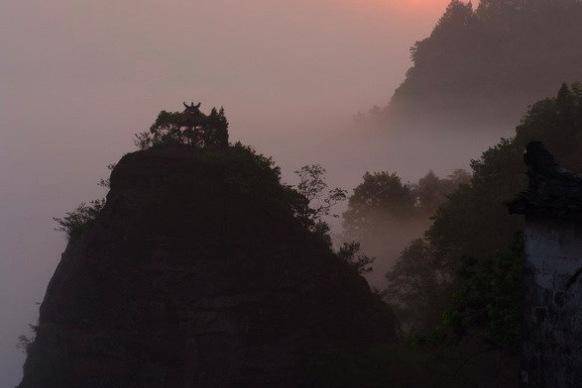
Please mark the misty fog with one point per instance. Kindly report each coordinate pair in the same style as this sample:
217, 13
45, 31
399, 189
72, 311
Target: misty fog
80, 78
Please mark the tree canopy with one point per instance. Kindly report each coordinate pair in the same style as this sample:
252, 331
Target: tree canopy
190, 127
474, 244
380, 198
384, 213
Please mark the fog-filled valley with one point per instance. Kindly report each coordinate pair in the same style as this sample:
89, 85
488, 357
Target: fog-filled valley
424, 146
81, 79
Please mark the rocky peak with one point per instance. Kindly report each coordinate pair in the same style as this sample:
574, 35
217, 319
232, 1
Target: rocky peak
198, 272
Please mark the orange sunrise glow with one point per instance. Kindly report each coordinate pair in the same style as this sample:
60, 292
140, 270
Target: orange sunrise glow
399, 6
431, 4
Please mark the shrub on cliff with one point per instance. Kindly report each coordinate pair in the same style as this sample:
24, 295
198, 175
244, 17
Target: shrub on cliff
78, 221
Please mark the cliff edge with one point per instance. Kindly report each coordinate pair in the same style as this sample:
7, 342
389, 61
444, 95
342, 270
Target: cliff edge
199, 272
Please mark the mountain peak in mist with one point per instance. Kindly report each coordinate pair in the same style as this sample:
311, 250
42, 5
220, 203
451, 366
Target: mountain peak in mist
201, 269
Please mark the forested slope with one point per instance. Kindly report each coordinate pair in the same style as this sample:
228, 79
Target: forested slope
483, 65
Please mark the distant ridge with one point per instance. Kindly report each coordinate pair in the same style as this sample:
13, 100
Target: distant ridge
482, 66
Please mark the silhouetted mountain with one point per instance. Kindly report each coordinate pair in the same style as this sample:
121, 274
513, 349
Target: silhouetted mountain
200, 270
481, 67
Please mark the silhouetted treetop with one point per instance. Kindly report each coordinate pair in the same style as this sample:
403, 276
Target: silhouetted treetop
382, 197
190, 127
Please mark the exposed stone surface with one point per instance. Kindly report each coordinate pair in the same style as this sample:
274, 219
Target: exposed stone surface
196, 274
552, 330
551, 346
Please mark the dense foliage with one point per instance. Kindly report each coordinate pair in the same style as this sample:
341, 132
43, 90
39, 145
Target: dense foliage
460, 284
190, 127
474, 244
485, 64
488, 296
382, 199
416, 287
384, 214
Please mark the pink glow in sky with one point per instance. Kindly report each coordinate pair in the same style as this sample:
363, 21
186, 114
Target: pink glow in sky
79, 78
400, 6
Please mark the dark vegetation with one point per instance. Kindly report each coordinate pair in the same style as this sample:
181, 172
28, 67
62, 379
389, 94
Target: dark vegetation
311, 200
457, 289
456, 286
475, 240
201, 251
483, 65
383, 198
190, 127
78, 221
384, 213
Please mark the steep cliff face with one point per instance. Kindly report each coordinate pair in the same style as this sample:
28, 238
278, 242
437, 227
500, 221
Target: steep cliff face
198, 273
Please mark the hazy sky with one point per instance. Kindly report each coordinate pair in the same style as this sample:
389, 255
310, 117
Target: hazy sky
79, 77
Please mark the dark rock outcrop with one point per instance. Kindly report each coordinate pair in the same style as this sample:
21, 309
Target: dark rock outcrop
198, 273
